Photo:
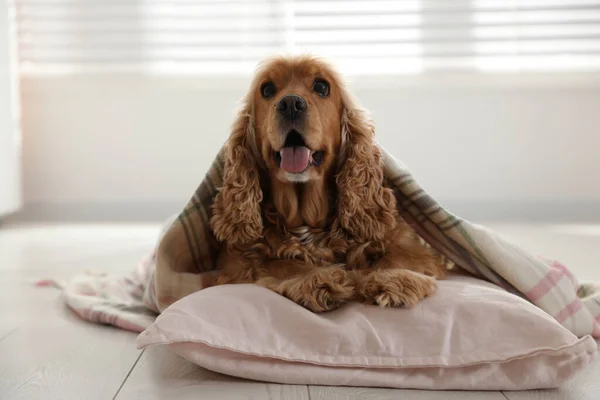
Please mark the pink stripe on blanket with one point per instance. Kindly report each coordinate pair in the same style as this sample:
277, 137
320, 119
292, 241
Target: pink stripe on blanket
596, 330
545, 285
127, 325
110, 318
569, 311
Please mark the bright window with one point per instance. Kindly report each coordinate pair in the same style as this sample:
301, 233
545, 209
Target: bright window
367, 37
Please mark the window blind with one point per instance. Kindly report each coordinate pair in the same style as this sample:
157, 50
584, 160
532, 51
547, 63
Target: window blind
377, 36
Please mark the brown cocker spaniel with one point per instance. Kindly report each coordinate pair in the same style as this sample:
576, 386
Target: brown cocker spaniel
304, 209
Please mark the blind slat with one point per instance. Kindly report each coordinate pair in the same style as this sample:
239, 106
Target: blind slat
415, 47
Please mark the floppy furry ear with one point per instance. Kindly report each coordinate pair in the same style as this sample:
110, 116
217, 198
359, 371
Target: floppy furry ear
237, 218
366, 209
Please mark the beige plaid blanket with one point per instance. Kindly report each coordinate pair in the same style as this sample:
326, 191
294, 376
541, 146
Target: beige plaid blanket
184, 262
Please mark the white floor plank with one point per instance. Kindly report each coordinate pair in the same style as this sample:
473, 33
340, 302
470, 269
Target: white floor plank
55, 355
46, 352
162, 375
339, 393
43, 250
19, 303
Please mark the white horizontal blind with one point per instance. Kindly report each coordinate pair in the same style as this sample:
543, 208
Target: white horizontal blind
369, 36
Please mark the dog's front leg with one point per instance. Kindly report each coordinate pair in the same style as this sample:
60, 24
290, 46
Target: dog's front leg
315, 288
401, 278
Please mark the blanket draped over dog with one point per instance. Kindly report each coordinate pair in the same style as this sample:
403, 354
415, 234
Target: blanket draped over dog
184, 262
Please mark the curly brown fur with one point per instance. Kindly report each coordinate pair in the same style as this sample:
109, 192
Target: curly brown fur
330, 233
236, 211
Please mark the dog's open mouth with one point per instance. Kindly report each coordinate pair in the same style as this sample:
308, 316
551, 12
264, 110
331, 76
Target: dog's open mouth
295, 156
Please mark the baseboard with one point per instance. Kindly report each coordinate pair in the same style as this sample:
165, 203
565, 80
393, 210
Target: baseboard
474, 210
525, 210
97, 212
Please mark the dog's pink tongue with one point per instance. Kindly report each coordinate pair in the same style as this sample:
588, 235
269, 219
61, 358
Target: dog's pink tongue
294, 159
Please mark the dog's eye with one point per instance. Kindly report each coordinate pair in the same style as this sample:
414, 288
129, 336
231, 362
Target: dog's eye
321, 87
268, 89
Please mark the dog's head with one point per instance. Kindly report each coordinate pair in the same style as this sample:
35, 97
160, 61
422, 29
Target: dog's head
298, 107
299, 124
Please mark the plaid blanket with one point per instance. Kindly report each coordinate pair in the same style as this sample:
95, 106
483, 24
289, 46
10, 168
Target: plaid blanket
184, 259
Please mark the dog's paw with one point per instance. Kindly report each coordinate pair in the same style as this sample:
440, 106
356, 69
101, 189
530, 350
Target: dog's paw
396, 288
322, 289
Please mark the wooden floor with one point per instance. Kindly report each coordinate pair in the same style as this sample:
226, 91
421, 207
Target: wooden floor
46, 352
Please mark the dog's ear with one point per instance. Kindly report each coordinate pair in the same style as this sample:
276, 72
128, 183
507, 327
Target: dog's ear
236, 217
366, 209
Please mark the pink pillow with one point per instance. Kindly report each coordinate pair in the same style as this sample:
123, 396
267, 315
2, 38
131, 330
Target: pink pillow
471, 335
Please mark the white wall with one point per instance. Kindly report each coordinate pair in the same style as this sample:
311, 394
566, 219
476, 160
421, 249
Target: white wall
136, 146
10, 190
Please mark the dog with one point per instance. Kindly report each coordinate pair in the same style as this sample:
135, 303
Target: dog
304, 209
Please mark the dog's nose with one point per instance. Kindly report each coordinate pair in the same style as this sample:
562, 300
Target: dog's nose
291, 106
